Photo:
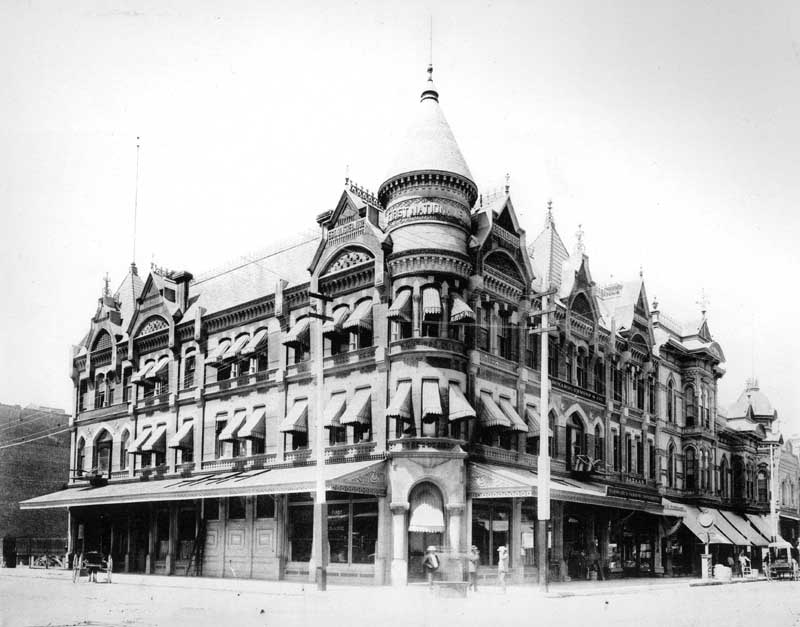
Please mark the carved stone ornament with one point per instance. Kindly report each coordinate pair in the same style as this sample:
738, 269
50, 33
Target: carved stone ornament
348, 259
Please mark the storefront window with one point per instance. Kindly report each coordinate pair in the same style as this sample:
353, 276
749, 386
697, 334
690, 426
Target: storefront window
338, 522
364, 533
265, 506
301, 530
211, 509
236, 508
162, 534
490, 529
186, 533
527, 536
352, 530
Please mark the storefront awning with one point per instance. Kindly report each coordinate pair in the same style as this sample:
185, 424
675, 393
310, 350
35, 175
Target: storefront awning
517, 423
334, 409
491, 414
139, 441
401, 307
491, 481
400, 405
254, 427
426, 515
299, 333
743, 527
431, 400
257, 343
157, 441
738, 538
296, 420
459, 405
368, 477
333, 326
230, 432
361, 318
183, 437
710, 535
764, 526
431, 303
461, 311
359, 410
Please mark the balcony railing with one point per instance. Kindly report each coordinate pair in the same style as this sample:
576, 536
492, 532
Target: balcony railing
120, 474
354, 452
350, 357
156, 399
426, 444
505, 456
425, 343
299, 456
303, 367
103, 412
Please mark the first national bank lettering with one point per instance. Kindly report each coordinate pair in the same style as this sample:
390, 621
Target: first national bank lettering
422, 209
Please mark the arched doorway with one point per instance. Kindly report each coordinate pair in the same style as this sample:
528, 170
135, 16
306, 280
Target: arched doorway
426, 526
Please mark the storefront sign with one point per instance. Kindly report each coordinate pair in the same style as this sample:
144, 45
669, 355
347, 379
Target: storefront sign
422, 209
625, 493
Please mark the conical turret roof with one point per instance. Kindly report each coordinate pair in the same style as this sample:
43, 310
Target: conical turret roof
429, 144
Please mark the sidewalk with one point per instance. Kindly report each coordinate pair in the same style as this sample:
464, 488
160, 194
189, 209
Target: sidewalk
300, 589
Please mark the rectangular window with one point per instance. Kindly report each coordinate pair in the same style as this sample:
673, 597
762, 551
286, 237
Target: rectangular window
639, 457
237, 509
599, 377
338, 523
651, 462
617, 385
220, 449
651, 401
126, 382
483, 331
616, 451
188, 372
552, 357
629, 453
364, 532
211, 509
532, 351
265, 506
301, 531
84, 389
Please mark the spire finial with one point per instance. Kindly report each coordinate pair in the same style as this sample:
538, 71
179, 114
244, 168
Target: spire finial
703, 302
508, 182
346, 174
580, 247
655, 303
641, 271
106, 289
548, 221
135, 203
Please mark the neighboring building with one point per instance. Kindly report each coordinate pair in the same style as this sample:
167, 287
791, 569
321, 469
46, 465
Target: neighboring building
195, 402
34, 459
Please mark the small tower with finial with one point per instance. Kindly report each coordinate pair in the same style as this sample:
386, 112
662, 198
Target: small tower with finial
703, 302
580, 246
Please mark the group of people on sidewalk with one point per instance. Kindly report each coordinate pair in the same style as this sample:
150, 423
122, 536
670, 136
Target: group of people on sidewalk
431, 563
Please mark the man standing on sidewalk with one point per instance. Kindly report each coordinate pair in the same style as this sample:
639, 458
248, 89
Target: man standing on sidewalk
502, 566
472, 567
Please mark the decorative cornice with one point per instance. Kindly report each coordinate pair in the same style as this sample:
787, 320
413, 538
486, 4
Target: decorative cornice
427, 260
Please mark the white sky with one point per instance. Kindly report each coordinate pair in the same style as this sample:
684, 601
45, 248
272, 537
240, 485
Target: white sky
671, 133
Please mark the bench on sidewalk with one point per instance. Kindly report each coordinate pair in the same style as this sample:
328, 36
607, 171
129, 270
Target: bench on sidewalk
451, 589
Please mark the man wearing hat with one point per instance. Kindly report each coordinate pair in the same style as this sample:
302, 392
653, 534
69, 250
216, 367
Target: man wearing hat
472, 567
430, 563
502, 565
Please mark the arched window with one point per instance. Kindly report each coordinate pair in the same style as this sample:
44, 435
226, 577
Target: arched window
763, 489
670, 401
580, 305
189, 367
651, 395
581, 363
102, 453
576, 442
553, 437
737, 470
80, 457
689, 404
707, 471
598, 443
99, 391
629, 452
690, 470
671, 466
569, 359
705, 408
723, 479
123, 449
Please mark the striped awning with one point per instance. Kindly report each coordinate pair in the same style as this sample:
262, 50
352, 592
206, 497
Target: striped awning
254, 427
335, 325
230, 432
459, 405
257, 343
517, 423
183, 438
157, 441
136, 446
296, 420
400, 405
159, 371
334, 409
139, 377
431, 400
460, 310
238, 345
361, 318
219, 353
299, 333
431, 303
359, 410
491, 414
426, 513
401, 307
534, 421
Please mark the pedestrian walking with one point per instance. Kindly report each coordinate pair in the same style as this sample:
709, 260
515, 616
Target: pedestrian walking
502, 566
109, 568
430, 563
77, 562
472, 567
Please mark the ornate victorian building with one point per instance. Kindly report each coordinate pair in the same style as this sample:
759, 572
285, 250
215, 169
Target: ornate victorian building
195, 413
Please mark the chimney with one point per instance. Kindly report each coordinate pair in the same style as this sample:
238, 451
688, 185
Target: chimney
182, 280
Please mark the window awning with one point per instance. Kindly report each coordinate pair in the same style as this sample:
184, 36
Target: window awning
255, 426
359, 410
257, 343
459, 405
296, 420
491, 414
401, 307
361, 318
299, 333
737, 538
230, 432
400, 405
762, 524
517, 423
183, 438
238, 345
743, 527
138, 378
712, 534
334, 409
136, 447
534, 421
335, 326
431, 400
364, 477
460, 310
426, 513
219, 353
157, 441
160, 370
431, 303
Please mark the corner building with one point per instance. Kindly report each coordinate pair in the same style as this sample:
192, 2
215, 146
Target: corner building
193, 433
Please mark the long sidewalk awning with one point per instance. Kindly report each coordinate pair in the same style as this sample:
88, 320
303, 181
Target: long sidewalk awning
743, 527
367, 477
713, 534
490, 481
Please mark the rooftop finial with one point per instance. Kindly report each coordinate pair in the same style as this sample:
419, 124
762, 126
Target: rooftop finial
641, 271
703, 302
430, 89
106, 289
508, 182
580, 247
655, 303
135, 203
548, 221
346, 174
